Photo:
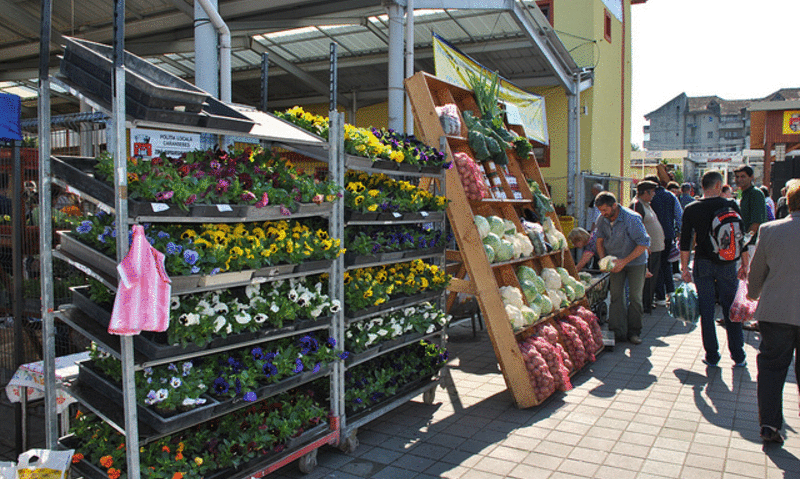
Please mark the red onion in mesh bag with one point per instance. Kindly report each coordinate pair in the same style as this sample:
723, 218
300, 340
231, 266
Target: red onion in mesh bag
538, 372
564, 356
548, 332
591, 319
573, 344
585, 334
554, 362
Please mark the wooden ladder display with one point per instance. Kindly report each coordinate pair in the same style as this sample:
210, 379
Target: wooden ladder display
473, 274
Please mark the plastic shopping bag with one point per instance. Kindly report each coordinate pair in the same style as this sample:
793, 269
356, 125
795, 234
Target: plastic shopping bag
742, 309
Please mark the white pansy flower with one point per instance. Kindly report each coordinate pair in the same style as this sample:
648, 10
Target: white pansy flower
318, 287
219, 323
252, 290
274, 308
336, 305
293, 295
431, 329
242, 318
260, 318
371, 338
192, 319
175, 382
162, 394
316, 312
174, 303
188, 402
220, 308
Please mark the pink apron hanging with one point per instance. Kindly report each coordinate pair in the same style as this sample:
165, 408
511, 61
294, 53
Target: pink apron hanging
143, 294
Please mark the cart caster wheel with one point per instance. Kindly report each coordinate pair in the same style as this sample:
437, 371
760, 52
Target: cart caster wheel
350, 443
602, 312
308, 462
429, 395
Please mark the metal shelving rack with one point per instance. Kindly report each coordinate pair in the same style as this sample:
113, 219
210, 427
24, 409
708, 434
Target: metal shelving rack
128, 422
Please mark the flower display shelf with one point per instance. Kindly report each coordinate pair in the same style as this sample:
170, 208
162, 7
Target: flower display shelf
67, 170
403, 395
364, 261
108, 394
426, 93
315, 437
389, 167
153, 346
357, 218
392, 304
96, 261
386, 346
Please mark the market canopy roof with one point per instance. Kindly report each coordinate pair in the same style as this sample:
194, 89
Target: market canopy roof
512, 37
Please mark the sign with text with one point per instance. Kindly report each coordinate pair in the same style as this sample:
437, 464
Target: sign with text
791, 122
147, 143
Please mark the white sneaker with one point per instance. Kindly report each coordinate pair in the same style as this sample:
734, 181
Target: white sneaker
661, 302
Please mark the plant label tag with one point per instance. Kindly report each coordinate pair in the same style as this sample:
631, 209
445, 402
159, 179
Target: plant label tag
224, 208
105, 207
512, 114
424, 214
159, 207
397, 215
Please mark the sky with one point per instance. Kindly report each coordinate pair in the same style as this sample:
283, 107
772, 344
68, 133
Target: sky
734, 49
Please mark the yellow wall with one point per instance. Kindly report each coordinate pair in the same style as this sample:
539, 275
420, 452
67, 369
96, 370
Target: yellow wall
605, 127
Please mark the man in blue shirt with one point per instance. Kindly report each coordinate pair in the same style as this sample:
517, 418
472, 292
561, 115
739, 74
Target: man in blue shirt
686, 194
621, 233
668, 210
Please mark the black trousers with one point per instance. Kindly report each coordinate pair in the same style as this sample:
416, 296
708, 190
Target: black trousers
779, 343
654, 266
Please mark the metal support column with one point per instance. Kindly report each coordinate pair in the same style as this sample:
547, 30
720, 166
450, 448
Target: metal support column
573, 144
20, 409
264, 79
45, 232
409, 125
336, 286
117, 145
396, 90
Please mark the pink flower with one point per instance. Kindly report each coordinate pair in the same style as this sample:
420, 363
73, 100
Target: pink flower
199, 174
222, 186
190, 200
264, 201
248, 196
285, 211
318, 199
164, 195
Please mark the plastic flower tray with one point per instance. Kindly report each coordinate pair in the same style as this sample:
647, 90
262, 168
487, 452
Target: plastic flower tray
91, 471
393, 303
354, 416
70, 170
154, 347
109, 394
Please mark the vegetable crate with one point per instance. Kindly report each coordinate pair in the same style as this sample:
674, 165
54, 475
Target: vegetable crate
487, 181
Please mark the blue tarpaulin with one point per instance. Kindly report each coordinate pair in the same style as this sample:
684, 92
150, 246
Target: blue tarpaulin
10, 106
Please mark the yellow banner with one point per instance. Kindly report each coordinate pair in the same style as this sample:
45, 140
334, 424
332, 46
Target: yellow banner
452, 66
791, 122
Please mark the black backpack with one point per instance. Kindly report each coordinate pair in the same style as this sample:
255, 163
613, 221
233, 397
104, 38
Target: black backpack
727, 234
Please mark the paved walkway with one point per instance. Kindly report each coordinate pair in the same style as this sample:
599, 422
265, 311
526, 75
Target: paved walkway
647, 411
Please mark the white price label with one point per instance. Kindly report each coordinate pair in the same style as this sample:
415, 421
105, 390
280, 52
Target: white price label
424, 214
397, 215
224, 208
159, 207
105, 207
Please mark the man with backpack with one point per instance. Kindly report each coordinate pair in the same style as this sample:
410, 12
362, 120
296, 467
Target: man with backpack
718, 230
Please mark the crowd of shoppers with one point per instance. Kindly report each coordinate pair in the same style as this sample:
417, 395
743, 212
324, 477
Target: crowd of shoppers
641, 238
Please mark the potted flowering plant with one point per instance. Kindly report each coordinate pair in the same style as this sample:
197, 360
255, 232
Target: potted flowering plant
231, 441
423, 318
374, 381
252, 176
367, 287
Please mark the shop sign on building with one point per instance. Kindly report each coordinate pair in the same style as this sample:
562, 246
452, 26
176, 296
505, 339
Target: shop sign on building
791, 122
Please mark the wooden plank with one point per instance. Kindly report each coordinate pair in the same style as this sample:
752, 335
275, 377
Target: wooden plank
480, 272
462, 286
